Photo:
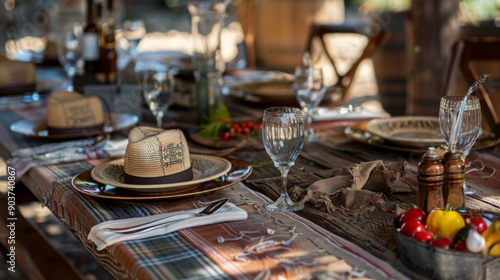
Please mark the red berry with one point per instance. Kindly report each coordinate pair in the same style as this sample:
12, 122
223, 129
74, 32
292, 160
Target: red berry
225, 136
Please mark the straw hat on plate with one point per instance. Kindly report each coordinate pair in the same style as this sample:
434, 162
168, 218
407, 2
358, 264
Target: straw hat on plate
159, 160
72, 113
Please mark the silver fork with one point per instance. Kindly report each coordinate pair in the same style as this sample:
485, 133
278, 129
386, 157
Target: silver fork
210, 209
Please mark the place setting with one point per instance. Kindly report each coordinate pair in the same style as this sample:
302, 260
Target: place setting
71, 115
409, 134
159, 165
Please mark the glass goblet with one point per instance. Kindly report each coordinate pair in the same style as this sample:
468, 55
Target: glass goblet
309, 91
133, 31
283, 137
158, 90
69, 52
469, 126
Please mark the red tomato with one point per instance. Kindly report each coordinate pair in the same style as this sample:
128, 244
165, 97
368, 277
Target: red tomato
460, 246
476, 222
424, 236
413, 214
442, 242
411, 227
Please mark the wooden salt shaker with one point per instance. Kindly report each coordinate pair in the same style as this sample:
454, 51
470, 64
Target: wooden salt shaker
430, 178
454, 179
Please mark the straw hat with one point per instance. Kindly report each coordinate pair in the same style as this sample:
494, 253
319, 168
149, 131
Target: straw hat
16, 77
72, 113
159, 160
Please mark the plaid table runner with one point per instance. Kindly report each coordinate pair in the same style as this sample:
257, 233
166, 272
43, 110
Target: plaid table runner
284, 244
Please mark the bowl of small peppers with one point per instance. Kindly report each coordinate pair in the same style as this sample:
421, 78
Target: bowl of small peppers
449, 243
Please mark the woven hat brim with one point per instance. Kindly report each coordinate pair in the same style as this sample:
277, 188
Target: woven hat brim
205, 168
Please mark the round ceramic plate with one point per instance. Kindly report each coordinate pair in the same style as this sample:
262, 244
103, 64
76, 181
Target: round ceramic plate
38, 128
85, 184
205, 168
485, 140
272, 92
408, 130
269, 89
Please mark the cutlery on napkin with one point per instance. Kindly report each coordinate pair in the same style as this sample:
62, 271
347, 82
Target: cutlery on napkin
64, 152
102, 237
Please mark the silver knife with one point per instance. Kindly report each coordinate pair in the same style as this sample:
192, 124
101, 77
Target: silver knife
210, 209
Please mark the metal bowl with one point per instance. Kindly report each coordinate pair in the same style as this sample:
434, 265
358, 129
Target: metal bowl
442, 264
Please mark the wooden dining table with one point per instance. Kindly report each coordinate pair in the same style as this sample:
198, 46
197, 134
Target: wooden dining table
306, 244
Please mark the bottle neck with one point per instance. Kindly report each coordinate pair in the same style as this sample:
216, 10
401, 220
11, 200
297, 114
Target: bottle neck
90, 20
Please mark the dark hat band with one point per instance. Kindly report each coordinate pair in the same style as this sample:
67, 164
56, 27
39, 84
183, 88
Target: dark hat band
76, 130
183, 176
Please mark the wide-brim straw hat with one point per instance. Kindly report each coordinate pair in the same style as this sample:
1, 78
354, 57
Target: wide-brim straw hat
158, 160
73, 113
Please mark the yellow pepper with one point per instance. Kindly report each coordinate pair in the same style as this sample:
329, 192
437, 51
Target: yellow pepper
492, 236
445, 222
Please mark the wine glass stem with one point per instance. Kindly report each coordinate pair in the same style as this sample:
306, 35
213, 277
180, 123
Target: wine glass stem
284, 176
159, 118
71, 74
308, 122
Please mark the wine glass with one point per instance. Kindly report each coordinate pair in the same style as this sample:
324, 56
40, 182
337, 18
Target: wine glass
469, 125
69, 51
158, 89
309, 91
283, 137
133, 31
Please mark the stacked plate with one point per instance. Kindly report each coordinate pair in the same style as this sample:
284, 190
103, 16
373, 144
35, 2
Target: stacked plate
410, 131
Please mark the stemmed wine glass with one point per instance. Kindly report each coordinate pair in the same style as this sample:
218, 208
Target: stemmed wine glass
309, 91
283, 137
133, 31
69, 51
469, 125
158, 89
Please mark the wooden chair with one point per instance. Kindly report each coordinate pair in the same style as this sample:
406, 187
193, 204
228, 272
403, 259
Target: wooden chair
463, 57
375, 35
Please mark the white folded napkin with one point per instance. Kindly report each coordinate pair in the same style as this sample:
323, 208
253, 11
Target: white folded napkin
102, 237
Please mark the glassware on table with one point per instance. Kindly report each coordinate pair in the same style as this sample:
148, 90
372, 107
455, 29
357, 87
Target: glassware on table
309, 90
283, 137
469, 125
158, 90
133, 31
69, 51
207, 23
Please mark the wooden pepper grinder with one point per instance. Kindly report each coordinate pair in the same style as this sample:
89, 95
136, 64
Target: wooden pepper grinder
430, 178
454, 179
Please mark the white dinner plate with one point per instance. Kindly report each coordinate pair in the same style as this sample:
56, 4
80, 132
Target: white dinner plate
408, 130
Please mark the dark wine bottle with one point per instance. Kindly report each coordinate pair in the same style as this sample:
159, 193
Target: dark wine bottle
107, 56
91, 40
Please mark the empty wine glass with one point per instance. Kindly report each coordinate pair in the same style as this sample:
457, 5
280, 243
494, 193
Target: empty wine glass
158, 89
283, 137
69, 51
309, 90
469, 125
133, 31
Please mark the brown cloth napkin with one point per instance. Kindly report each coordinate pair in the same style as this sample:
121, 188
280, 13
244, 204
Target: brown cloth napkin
359, 188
